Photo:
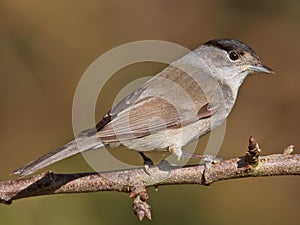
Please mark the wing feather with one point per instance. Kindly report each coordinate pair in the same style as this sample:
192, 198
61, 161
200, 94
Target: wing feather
149, 116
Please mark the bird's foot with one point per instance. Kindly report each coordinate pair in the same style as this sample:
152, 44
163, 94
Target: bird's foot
147, 160
147, 163
204, 158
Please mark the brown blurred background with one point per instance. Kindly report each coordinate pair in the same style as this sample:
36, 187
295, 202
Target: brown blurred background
45, 48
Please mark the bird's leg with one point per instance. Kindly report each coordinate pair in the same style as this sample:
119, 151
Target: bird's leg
147, 160
175, 150
147, 163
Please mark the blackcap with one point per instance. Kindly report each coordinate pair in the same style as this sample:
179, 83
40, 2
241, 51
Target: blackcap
186, 100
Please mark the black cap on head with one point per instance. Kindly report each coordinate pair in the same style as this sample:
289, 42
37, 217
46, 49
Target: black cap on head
230, 45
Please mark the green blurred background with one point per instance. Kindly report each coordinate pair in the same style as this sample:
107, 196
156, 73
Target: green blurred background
45, 48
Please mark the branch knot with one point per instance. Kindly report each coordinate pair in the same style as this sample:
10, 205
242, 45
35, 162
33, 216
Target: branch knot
253, 153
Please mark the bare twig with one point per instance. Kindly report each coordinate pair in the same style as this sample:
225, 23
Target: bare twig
135, 181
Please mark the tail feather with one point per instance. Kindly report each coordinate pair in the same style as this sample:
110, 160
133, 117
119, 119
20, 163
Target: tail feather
72, 148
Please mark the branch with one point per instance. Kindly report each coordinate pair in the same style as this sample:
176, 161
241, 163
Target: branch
135, 181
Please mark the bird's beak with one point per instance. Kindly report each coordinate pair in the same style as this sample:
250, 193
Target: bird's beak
260, 68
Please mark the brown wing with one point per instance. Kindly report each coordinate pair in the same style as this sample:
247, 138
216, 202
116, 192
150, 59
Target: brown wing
148, 116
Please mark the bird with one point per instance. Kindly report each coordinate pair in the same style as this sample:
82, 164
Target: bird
186, 100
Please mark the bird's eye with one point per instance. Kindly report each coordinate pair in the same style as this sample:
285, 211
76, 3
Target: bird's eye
234, 56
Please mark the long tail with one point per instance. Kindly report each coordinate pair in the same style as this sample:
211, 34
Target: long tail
79, 145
